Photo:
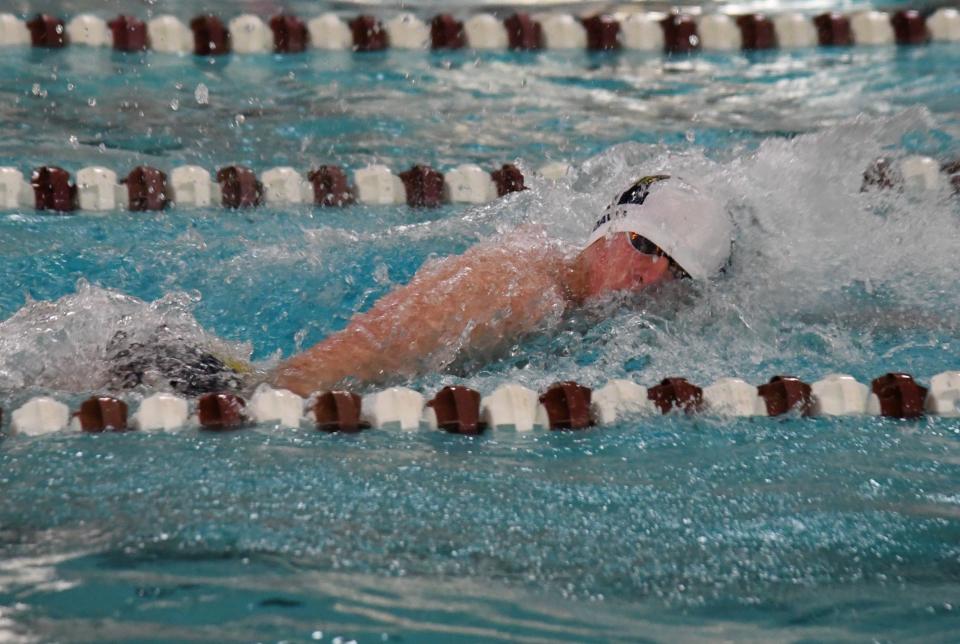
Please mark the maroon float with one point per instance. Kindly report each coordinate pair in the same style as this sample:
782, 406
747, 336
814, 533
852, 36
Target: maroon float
952, 170
239, 187
221, 411
899, 395
368, 34
508, 179
129, 33
909, 27
680, 33
210, 37
52, 189
568, 405
47, 31
446, 32
676, 393
339, 411
523, 32
458, 410
102, 414
289, 34
785, 394
424, 186
757, 32
330, 186
146, 189
833, 30
880, 174
603, 33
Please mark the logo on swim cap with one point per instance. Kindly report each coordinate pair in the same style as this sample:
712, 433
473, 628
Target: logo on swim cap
635, 194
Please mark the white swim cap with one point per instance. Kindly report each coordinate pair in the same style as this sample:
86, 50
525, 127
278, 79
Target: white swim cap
690, 227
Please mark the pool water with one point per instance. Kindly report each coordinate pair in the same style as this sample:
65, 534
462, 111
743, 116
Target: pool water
654, 529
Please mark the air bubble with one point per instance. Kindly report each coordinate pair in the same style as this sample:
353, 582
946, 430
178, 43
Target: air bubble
202, 94
92, 102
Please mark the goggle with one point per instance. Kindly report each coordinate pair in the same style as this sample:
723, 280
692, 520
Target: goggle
647, 247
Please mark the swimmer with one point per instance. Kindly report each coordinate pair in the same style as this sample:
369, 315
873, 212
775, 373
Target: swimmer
658, 230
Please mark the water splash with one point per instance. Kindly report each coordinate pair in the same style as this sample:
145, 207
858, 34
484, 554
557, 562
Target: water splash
70, 344
824, 277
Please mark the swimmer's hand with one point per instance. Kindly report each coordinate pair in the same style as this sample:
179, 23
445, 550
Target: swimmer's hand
473, 302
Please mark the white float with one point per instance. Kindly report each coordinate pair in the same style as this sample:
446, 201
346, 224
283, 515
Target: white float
169, 35
795, 30
734, 397
484, 31
616, 398
563, 31
642, 31
839, 395
284, 186
406, 31
397, 406
269, 405
469, 183
161, 412
511, 405
428, 420
249, 34
944, 24
191, 186
921, 173
943, 397
719, 32
38, 416
14, 191
329, 32
555, 171
376, 184
97, 189
86, 29
13, 31
872, 28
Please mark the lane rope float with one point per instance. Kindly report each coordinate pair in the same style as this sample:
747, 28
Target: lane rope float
461, 410
684, 31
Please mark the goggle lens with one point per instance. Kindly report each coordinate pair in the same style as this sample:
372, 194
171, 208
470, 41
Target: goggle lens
644, 245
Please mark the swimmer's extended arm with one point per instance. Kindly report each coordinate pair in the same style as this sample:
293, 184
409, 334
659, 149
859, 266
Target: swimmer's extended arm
476, 301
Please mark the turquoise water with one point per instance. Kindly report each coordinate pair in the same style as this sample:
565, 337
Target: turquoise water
656, 529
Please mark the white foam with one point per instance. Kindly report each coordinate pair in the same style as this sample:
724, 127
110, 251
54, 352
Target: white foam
62, 344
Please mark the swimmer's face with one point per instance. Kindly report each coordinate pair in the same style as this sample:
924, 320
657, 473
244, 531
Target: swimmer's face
613, 263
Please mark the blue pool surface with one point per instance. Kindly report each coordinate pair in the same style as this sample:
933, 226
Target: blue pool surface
668, 529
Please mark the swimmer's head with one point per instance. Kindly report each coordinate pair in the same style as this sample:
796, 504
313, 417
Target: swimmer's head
659, 229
